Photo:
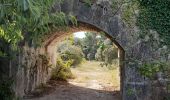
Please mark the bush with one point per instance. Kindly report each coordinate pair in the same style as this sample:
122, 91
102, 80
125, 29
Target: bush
70, 52
108, 55
62, 70
99, 55
6, 91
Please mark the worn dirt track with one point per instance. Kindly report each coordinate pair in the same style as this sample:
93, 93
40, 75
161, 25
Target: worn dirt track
89, 84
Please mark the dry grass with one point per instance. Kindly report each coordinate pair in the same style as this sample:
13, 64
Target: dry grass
91, 70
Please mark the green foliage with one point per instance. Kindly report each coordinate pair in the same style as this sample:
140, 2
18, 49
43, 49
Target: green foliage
167, 97
129, 14
62, 71
2, 54
78, 42
89, 45
101, 46
110, 54
88, 3
99, 54
67, 52
73, 20
28, 19
130, 92
6, 92
69, 55
150, 69
13, 37
98, 47
107, 53
148, 15
116, 5
31, 18
155, 15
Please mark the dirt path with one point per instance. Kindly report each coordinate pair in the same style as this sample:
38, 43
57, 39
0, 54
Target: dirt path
91, 83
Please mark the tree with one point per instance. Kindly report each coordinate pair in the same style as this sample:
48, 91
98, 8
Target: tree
33, 17
90, 45
69, 52
110, 54
106, 52
78, 42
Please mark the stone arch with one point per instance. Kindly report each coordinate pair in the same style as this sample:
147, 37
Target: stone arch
98, 16
50, 45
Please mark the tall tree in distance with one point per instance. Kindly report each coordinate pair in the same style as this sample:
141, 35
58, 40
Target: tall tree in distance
90, 45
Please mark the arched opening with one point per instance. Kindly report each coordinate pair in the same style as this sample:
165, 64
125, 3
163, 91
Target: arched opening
50, 46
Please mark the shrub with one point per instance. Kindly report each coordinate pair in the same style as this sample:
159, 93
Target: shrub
70, 52
6, 91
99, 55
68, 55
62, 70
110, 53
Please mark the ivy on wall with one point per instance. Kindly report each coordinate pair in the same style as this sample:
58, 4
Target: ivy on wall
148, 15
128, 12
88, 3
155, 15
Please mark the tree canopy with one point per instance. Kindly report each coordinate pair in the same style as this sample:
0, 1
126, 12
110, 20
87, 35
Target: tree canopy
33, 17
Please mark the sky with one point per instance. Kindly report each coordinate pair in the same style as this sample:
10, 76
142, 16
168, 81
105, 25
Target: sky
79, 34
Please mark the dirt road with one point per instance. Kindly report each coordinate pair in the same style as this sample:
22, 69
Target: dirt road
91, 82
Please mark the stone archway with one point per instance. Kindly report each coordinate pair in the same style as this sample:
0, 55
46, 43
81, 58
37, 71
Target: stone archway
50, 45
96, 17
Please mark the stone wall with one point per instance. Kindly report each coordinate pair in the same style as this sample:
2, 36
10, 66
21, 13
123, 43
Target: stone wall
34, 64
33, 70
100, 14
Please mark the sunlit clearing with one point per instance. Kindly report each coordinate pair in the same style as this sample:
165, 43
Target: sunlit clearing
88, 62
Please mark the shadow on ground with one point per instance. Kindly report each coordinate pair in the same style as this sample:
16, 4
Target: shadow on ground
62, 90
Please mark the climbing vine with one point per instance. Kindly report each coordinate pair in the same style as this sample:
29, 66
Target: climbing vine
88, 3
150, 19
148, 15
155, 15
129, 13
148, 70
